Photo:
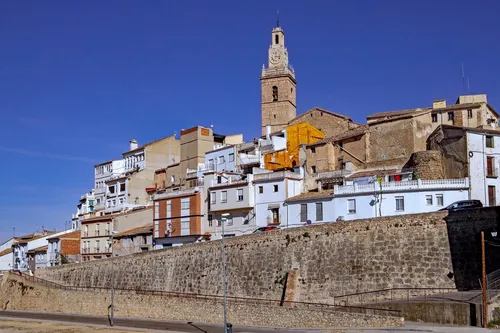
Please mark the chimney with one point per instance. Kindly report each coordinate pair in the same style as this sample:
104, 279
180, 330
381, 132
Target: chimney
439, 104
268, 132
133, 144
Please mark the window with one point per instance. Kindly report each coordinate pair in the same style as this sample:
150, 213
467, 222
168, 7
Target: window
229, 221
439, 199
434, 117
108, 228
240, 194
490, 166
172, 179
185, 204
400, 204
313, 169
169, 208
213, 198
428, 200
275, 94
185, 230
210, 220
97, 246
221, 159
223, 196
210, 164
351, 206
313, 150
451, 116
122, 187
275, 188
341, 145
341, 164
111, 189
86, 231
231, 157
469, 113
261, 189
276, 39
303, 213
98, 201
97, 229
492, 196
219, 222
157, 229
113, 202
489, 142
319, 211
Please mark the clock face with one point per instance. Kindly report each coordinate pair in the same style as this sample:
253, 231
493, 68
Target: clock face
275, 56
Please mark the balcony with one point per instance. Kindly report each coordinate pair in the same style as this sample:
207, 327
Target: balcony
402, 186
492, 172
278, 175
247, 159
230, 181
176, 193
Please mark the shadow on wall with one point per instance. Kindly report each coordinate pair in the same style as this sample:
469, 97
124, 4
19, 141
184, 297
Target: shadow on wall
464, 236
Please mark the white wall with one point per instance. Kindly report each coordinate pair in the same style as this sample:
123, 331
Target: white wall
476, 146
6, 262
227, 165
366, 207
286, 188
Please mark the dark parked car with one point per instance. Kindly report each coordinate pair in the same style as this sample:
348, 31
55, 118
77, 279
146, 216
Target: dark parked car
264, 229
464, 204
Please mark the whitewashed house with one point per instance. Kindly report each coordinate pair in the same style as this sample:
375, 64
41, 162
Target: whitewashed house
271, 190
473, 153
231, 202
103, 172
352, 202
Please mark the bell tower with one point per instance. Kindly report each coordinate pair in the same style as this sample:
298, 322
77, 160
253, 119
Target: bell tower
278, 102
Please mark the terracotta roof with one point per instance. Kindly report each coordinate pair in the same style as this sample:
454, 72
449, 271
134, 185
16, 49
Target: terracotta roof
135, 231
39, 249
458, 106
23, 239
149, 144
73, 234
311, 196
322, 110
6, 251
374, 173
348, 134
397, 113
112, 216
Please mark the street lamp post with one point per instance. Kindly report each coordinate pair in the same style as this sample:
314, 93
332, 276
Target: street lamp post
227, 327
112, 303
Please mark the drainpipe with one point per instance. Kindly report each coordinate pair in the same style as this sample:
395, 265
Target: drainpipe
484, 169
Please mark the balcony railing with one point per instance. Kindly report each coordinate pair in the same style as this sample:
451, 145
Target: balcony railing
403, 186
230, 181
175, 193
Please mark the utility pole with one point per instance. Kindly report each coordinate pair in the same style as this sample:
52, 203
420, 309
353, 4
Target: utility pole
483, 264
227, 327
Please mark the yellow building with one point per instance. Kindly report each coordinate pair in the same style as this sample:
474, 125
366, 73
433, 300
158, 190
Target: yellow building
295, 136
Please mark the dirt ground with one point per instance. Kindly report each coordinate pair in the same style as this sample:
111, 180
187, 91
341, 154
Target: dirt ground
8, 326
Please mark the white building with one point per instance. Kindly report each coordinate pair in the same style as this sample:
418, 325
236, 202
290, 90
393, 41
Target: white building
231, 202
352, 202
271, 191
6, 255
102, 173
473, 153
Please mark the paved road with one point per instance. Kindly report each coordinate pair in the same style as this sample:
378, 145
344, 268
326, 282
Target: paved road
187, 327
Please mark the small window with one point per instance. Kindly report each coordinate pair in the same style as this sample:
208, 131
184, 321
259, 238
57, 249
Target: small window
489, 142
240, 194
439, 199
451, 116
261, 189
303, 213
111, 189
231, 157
428, 200
341, 145
313, 169
229, 221
351, 206
434, 117
400, 204
223, 196
122, 187
274, 116
275, 94
210, 220
221, 159
276, 39
313, 150
275, 188
319, 211
469, 113
213, 198
172, 179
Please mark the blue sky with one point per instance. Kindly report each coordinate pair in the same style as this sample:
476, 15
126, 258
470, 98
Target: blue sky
80, 79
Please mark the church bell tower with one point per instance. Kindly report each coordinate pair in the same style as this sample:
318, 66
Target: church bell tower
278, 83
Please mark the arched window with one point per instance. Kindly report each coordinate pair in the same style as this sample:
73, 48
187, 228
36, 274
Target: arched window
276, 39
275, 93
